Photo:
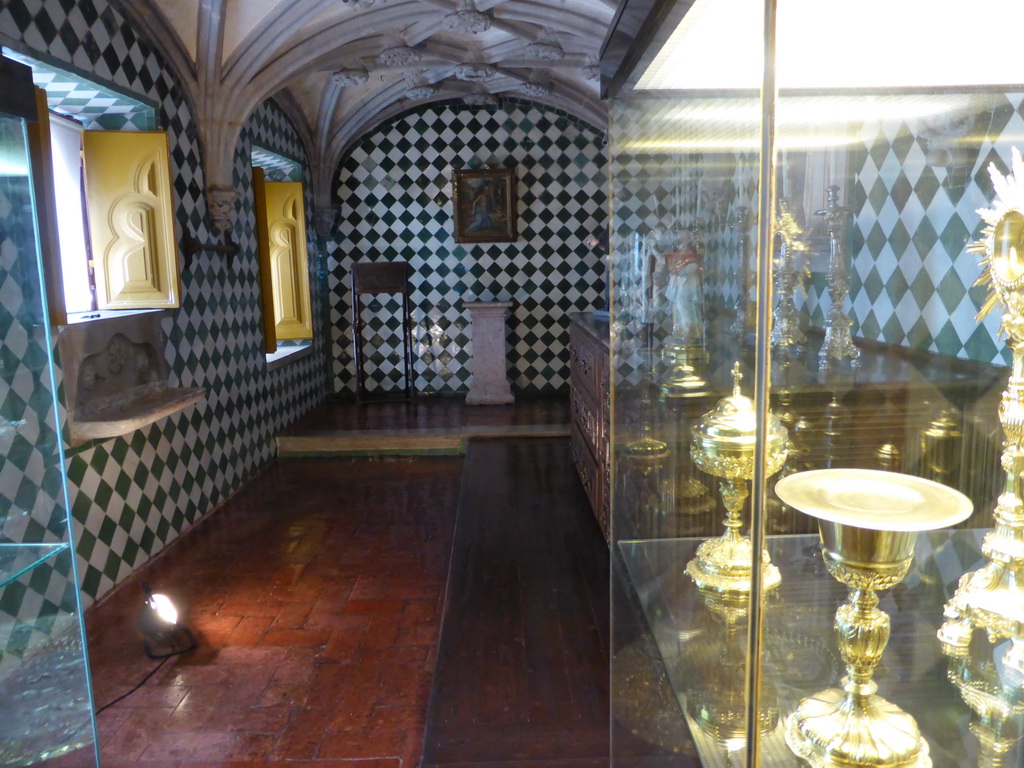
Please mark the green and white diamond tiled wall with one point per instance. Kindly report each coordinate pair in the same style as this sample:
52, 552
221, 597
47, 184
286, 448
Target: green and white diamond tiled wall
395, 196
916, 196
914, 187
914, 191
131, 497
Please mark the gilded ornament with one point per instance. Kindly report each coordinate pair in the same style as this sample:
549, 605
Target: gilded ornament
992, 598
790, 273
724, 443
868, 523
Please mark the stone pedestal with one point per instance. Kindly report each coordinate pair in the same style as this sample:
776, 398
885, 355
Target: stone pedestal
489, 385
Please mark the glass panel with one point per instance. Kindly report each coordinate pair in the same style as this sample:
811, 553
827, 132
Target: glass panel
45, 698
46, 708
890, 368
893, 615
684, 178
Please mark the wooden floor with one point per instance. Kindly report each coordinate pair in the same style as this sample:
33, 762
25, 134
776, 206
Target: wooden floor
426, 424
522, 670
320, 594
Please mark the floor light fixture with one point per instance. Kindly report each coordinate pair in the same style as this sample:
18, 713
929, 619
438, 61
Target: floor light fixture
158, 622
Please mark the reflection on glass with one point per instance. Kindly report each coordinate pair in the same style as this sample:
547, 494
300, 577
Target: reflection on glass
994, 691
790, 273
838, 345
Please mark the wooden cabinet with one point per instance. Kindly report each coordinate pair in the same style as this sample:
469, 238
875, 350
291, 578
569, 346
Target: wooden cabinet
590, 407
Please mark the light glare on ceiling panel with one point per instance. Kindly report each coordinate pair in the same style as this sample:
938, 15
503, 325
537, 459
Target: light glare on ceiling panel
868, 44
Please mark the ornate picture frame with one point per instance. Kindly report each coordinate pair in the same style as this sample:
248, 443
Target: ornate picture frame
484, 204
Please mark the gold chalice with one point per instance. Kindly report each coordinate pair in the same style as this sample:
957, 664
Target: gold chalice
868, 521
723, 445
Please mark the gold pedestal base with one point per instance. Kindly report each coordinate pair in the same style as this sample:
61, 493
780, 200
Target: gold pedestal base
684, 382
648, 449
721, 570
684, 362
828, 730
991, 598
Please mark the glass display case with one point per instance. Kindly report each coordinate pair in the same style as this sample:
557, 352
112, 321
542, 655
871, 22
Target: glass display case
46, 707
817, 374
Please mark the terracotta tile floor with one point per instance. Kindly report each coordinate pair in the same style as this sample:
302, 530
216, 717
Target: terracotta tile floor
316, 594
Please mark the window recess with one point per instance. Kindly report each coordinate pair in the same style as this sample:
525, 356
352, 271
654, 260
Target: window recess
284, 264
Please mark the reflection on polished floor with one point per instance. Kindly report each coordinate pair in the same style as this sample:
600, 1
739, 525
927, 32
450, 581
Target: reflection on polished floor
317, 595
425, 424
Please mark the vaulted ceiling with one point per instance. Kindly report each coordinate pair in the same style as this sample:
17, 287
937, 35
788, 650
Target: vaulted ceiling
343, 67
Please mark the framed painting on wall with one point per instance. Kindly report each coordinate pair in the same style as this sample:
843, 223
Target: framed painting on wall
485, 206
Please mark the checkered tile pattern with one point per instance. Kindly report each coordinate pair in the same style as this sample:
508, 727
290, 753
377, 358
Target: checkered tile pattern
914, 212
97, 108
276, 167
912, 278
395, 196
132, 496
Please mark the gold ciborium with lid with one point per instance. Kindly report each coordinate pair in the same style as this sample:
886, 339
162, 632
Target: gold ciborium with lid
723, 446
868, 521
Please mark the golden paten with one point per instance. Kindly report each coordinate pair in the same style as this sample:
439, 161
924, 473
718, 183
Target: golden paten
724, 442
992, 598
868, 522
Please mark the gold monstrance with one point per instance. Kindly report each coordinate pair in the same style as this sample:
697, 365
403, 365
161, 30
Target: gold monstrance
992, 598
723, 445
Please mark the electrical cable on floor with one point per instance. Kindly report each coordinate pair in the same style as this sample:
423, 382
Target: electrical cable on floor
138, 685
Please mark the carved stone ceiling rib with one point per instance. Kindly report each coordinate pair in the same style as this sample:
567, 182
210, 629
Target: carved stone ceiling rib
322, 58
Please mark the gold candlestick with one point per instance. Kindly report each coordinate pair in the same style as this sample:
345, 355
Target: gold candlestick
992, 598
868, 522
790, 272
838, 345
723, 446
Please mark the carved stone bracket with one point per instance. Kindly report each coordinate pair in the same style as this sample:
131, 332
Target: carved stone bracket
323, 220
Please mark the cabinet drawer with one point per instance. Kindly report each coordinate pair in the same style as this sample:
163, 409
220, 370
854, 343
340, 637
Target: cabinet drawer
586, 363
586, 417
590, 476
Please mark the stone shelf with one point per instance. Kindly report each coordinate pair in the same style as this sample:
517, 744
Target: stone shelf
130, 413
